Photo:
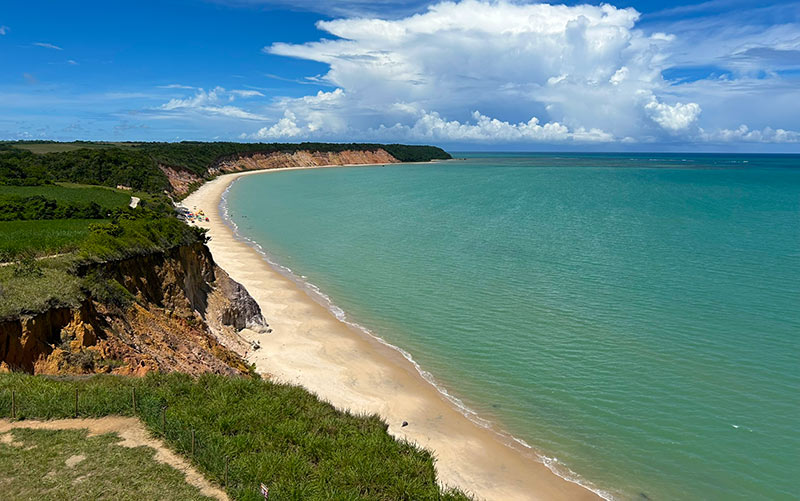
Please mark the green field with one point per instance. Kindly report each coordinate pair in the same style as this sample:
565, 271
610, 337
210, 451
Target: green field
276, 434
68, 464
43, 237
67, 192
52, 236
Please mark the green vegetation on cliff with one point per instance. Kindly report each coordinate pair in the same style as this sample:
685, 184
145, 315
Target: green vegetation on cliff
108, 167
39, 207
275, 434
41, 238
31, 284
198, 157
136, 164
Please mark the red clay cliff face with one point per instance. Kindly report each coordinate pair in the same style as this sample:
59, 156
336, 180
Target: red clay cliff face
181, 180
24, 340
185, 317
302, 159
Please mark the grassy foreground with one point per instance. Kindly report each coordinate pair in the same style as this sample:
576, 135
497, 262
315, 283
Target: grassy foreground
66, 464
277, 434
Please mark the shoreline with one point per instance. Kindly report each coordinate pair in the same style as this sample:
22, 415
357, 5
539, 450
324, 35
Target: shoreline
357, 371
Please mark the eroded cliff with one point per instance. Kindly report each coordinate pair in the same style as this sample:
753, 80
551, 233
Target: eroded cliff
167, 311
182, 180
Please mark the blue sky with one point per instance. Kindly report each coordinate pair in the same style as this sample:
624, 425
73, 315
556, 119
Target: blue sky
721, 75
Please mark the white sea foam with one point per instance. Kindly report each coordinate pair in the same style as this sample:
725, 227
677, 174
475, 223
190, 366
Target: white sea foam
552, 463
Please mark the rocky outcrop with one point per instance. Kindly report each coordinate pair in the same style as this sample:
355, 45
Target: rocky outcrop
182, 180
231, 305
183, 314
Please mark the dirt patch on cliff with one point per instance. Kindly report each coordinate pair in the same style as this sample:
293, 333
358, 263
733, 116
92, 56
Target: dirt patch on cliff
132, 434
180, 179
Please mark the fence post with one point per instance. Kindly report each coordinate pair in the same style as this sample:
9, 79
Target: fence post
76, 403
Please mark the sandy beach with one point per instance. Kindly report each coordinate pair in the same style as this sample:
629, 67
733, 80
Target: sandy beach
310, 347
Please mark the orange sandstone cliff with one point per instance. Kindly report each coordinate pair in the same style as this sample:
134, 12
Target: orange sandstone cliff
183, 314
182, 180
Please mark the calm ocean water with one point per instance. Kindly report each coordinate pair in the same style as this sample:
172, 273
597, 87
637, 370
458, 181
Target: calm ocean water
636, 318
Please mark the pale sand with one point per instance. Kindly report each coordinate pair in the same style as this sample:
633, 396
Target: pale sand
310, 347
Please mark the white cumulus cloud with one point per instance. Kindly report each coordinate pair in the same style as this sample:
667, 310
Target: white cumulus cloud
285, 127
673, 117
537, 72
431, 126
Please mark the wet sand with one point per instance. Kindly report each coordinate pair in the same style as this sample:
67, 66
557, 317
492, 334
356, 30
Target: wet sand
310, 347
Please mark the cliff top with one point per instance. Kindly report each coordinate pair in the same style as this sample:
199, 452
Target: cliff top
136, 165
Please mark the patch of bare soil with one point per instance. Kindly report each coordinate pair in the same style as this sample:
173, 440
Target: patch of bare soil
132, 434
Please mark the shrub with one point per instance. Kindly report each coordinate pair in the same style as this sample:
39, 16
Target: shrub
107, 290
113, 229
28, 266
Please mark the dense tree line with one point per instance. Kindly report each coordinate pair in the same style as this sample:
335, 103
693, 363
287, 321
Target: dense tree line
39, 207
410, 153
108, 167
198, 157
18, 167
137, 165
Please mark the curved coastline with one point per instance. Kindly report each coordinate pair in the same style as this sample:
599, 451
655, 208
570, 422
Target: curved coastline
314, 345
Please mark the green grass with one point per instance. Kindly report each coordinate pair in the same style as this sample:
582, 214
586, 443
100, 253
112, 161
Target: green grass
46, 283
35, 467
53, 286
67, 192
277, 434
42, 237
137, 237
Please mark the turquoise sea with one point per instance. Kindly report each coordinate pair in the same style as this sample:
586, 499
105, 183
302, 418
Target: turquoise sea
634, 318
